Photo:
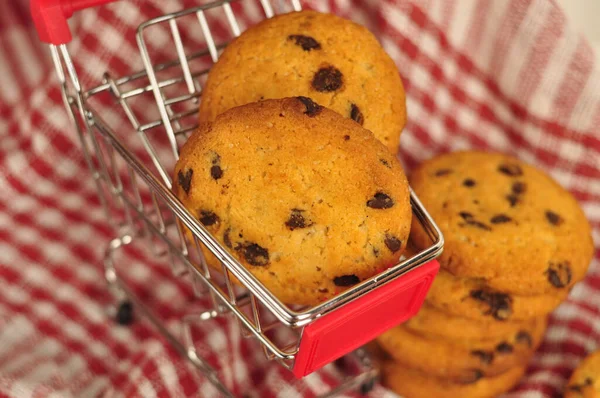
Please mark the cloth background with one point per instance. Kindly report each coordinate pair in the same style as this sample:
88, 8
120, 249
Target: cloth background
507, 75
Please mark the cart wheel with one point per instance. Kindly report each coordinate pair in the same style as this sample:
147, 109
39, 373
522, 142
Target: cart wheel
124, 315
367, 387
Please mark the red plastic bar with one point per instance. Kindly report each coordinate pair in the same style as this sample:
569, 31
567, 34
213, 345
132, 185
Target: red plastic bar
50, 17
355, 324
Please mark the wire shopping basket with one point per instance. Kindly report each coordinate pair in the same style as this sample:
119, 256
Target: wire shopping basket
135, 192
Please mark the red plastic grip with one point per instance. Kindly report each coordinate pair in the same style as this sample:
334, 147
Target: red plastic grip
355, 324
50, 17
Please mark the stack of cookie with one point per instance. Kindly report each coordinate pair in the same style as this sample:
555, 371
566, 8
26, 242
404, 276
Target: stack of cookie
515, 244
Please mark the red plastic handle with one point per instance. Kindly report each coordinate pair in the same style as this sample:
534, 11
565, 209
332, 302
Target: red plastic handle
50, 17
360, 321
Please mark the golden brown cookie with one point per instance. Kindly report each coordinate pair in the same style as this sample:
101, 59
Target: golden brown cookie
441, 324
505, 221
472, 298
585, 380
462, 360
410, 383
334, 61
307, 200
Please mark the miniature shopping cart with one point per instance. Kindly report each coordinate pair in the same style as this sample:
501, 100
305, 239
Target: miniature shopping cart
131, 167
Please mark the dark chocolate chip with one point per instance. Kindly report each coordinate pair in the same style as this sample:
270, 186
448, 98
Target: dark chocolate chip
442, 172
473, 376
477, 224
322, 290
484, 356
512, 170
524, 338
208, 218
559, 274
185, 180
500, 219
306, 42
504, 348
346, 280
346, 137
356, 114
519, 188
579, 387
466, 215
469, 182
327, 79
375, 251
312, 108
227, 239
385, 163
392, 243
216, 172
512, 199
255, 254
500, 304
380, 201
297, 220
553, 218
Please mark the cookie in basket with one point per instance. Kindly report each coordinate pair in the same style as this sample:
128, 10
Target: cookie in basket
585, 380
472, 298
411, 383
441, 324
462, 360
505, 221
310, 202
334, 61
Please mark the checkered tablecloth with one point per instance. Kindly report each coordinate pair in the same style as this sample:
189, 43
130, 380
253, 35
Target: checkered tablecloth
508, 75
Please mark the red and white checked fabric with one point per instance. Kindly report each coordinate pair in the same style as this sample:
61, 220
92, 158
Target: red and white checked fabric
507, 75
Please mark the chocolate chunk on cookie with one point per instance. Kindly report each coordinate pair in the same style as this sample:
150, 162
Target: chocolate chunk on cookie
328, 78
312, 108
185, 180
380, 200
306, 42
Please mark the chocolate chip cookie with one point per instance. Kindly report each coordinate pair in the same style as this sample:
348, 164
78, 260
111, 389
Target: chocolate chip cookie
462, 360
504, 221
441, 324
472, 298
334, 61
585, 380
411, 383
310, 202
